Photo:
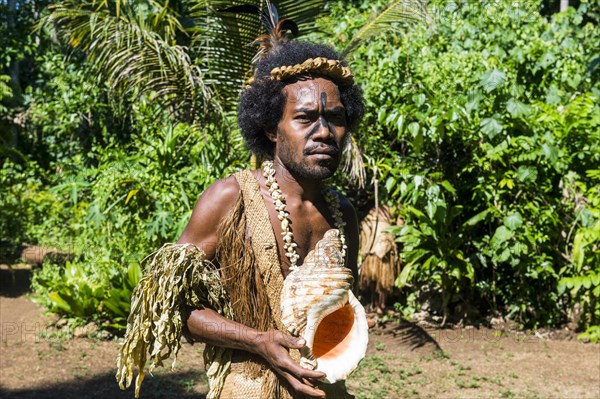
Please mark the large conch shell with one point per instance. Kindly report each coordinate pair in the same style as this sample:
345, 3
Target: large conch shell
318, 305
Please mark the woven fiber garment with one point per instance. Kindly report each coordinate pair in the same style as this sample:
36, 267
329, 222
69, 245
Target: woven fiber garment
239, 383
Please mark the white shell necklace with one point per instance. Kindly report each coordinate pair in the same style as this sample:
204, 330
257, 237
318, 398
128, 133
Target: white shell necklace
333, 202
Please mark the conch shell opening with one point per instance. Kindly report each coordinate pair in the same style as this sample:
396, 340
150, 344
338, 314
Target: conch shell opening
318, 305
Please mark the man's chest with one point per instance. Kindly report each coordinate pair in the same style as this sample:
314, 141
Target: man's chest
304, 226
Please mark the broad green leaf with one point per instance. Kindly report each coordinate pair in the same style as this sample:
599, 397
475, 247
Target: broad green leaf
504, 256
491, 127
400, 123
513, 221
587, 219
456, 273
473, 100
427, 264
477, 218
505, 182
390, 182
527, 173
595, 277
492, 79
60, 303
501, 235
553, 95
446, 184
413, 128
402, 279
431, 208
517, 108
587, 282
419, 99
134, 274
551, 153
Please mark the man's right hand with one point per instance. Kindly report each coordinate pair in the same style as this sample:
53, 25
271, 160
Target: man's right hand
208, 326
273, 346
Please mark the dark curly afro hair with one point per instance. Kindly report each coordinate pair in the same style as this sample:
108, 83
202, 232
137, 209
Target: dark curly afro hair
261, 104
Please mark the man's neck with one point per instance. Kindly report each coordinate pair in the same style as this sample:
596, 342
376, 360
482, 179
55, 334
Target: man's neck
294, 187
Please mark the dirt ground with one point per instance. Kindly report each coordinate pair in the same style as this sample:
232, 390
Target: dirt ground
403, 361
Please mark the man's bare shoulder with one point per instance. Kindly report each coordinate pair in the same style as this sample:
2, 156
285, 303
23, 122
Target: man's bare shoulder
212, 206
222, 192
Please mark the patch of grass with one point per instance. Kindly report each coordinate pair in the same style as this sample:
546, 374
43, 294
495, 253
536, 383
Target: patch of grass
437, 355
379, 346
406, 373
188, 384
57, 345
497, 380
375, 379
473, 384
441, 355
459, 368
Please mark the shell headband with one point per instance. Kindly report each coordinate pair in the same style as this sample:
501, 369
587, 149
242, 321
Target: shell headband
319, 65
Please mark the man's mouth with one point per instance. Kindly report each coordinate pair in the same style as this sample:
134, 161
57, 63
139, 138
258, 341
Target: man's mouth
330, 151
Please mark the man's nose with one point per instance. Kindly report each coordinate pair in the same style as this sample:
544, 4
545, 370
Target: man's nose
323, 131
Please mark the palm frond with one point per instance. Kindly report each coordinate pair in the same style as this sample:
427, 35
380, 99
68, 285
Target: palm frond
222, 41
134, 51
399, 11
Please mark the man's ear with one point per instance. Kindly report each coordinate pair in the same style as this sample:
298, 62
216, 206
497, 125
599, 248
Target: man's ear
272, 136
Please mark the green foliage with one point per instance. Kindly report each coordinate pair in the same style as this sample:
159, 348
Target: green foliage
482, 132
76, 291
104, 184
582, 275
393, 14
22, 204
5, 92
433, 243
490, 117
135, 200
134, 47
72, 291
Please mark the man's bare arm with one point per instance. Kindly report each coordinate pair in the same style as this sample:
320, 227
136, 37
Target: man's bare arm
208, 326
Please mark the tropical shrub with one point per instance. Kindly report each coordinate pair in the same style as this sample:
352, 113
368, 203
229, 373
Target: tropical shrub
490, 117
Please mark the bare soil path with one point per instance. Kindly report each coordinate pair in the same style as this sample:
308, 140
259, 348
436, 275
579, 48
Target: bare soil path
405, 361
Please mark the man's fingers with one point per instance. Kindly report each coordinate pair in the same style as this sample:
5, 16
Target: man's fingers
294, 342
303, 388
301, 372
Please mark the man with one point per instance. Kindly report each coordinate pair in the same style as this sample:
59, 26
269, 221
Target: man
256, 225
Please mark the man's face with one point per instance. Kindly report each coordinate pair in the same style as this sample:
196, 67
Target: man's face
312, 129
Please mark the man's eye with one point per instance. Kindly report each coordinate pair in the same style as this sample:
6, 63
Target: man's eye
337, 118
